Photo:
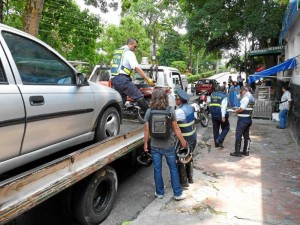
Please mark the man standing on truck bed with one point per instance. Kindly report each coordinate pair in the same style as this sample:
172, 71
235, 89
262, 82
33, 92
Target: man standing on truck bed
122, 65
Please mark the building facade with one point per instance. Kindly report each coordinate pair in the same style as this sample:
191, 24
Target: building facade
290, 38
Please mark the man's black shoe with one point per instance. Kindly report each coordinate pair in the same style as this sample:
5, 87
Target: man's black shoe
237, 154
216, 145
246, 153
278, 127
219, 144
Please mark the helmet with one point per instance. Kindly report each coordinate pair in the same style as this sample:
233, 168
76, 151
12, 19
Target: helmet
184, 154
145, 159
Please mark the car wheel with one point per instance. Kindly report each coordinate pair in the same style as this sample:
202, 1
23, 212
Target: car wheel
108, 125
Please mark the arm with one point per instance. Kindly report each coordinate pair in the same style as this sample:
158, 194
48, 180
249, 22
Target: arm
178, 133
146, 137
223, 108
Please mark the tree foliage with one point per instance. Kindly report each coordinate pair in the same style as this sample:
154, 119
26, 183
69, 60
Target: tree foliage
70, 31
116, 36
218, 24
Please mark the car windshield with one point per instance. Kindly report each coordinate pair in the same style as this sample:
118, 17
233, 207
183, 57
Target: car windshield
205, 82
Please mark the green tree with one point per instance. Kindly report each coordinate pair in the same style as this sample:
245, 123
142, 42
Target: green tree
221, 24
72, 32
159, 17
116, 36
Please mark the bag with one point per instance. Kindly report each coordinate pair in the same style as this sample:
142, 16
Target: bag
160, 123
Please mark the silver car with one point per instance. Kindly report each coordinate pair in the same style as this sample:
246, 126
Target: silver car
45, 104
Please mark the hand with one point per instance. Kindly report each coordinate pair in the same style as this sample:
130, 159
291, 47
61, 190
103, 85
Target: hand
223, 119
150, 82
184, 144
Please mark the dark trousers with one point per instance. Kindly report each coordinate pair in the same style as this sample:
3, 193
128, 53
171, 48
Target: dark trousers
186, 170
243, 128
123, 84
217, 124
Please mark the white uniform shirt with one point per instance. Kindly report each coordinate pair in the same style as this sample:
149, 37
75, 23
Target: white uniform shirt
245, 101
224, 106
129, 60
285, 99
180, 115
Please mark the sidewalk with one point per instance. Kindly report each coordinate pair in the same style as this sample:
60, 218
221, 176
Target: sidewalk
263, 188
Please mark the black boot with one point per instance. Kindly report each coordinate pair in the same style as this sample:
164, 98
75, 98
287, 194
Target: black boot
237, 149
143, 104
182, 176
189, 172
216, 144
246, 148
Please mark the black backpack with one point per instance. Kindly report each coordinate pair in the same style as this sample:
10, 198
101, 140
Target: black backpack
160, 123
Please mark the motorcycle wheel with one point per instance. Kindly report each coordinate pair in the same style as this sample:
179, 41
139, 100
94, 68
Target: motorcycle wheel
203, 117
141, 116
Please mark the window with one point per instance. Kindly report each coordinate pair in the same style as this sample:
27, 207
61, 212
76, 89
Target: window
37, 64
2, 75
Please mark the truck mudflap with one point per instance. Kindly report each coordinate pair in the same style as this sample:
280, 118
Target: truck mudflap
24, 191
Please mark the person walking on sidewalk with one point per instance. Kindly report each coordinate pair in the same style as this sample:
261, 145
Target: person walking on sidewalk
162, 142
186, 122
284, 106
244, 123
219, 116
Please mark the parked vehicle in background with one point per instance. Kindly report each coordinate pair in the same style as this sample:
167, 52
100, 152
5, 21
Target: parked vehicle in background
47, 105
185, 83
233, 70
163, 76
205, 84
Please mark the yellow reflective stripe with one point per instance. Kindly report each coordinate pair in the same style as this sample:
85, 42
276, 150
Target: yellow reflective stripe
127, 71
214, 104
114, 65
119, 51
186, 124
189, 133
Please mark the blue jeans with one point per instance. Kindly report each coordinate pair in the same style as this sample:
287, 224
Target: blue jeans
170, 155
282, 118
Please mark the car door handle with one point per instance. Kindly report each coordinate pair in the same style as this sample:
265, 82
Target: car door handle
36, 100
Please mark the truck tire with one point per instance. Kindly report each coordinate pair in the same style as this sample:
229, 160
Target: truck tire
93, 198
108, 125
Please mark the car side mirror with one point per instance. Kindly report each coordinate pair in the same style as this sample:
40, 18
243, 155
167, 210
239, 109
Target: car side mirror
81, 79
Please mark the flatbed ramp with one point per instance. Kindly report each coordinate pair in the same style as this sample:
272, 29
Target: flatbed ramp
24, 191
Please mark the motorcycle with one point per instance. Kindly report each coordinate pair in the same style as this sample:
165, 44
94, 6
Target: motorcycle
131, 107
201, 106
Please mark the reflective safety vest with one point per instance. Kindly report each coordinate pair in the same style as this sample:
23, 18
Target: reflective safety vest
249, 109
187, 126
216, 103
117, 62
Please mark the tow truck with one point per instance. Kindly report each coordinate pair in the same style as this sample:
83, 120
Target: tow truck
88, 175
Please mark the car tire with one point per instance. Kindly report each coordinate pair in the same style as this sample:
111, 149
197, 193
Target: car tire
94, 197
108, 125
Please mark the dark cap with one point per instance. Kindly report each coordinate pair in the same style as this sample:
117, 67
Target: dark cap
244, 88
182, 94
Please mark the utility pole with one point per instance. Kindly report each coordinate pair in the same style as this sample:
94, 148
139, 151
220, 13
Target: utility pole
197, 63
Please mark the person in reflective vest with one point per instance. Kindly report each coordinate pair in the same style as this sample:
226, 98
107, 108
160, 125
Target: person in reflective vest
186, 122
219, 116
244, 113
123, 64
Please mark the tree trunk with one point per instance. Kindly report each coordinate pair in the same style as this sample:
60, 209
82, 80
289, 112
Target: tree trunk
191, 55
1, 10
32, 16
